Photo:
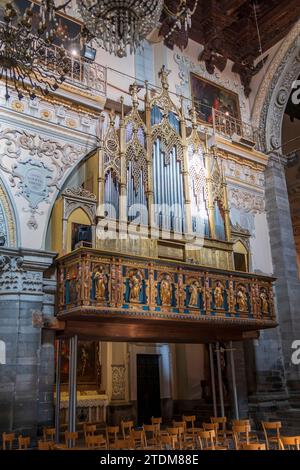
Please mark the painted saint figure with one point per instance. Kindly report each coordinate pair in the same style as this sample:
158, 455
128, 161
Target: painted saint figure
100, 284
165, 292
219, 299
241, 299
135, 287
264, 302
194, 291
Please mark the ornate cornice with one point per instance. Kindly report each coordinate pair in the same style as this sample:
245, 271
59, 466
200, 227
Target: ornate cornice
275, 89
79, 192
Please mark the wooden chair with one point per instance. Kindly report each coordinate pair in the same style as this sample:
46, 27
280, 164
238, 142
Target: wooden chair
45, 445
219, 442
241, 422
189, 424
124, 444
71, 438
290, 443
89, 430
206, 440
49, 434
24, 442
96, 441
151, 432
111, 435
167, 442
241, 435
157, 421
178, 434
223, 432
8, 440
272, 427
126, 427
138, 438
252, 446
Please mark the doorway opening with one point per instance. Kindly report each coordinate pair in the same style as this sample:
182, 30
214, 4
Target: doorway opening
148, 387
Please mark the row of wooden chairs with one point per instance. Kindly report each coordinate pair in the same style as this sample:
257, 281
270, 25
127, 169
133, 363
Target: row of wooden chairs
8, 440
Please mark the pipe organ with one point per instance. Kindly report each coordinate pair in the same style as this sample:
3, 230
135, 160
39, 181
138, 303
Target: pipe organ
158, 174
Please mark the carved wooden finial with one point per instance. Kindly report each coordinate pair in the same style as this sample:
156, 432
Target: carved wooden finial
133, 90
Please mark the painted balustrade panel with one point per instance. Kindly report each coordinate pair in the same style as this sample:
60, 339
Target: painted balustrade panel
104, 282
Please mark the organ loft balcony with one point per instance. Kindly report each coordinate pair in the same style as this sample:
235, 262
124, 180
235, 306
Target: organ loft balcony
149, 253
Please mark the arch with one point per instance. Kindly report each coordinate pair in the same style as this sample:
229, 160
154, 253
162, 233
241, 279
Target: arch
8, 226
78, 216
241, 255
2, 352
275, 89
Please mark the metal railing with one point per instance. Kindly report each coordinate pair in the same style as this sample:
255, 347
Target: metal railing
80, 72
229, 126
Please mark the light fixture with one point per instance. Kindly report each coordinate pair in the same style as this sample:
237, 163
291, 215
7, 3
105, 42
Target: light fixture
117, 24
28, 62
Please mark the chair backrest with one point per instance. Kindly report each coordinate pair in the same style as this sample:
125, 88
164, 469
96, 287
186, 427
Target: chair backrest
178, 432
269, 427
112, 433
189, 421
290, 442
206, 439
166, 442
71, 438
156, 421
138, 438
45, 445
126, 427
240, 434
221, 420
252, 446
210, 427
49, 434
7, 440
124, 444
97, 441
179, 424
241, 422
24, 442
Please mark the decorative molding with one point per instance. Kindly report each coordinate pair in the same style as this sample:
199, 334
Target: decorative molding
186, 66
7, 222
79, 192
246, 201
270, 102
35, 165
79, 198
14, 278
118, 382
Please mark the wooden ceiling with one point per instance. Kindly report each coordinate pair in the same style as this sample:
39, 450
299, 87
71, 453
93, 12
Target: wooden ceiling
228, 30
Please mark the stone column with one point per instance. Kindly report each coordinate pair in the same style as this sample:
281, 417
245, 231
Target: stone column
27, 378
287, 285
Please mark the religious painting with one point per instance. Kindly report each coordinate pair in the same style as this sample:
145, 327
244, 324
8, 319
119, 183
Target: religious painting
207, 96
87, 363
67, 30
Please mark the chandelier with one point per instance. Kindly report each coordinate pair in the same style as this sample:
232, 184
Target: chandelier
28, 63
118, 24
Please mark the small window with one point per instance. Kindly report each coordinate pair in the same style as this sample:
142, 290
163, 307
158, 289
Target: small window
240, 262
81, 234
240, 257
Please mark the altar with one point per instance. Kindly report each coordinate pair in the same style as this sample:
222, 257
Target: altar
91, 407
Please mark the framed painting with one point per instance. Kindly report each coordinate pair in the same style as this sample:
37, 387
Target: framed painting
88, 367
207, 96
67, 29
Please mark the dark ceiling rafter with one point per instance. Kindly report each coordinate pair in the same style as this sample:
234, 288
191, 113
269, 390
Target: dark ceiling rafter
228, 31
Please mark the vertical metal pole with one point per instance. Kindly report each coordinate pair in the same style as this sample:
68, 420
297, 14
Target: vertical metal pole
57, 401
212, 373
71, 398
75, 383
220, 379
235, 398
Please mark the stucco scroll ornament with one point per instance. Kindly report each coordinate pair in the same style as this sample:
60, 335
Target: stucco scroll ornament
35, 165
